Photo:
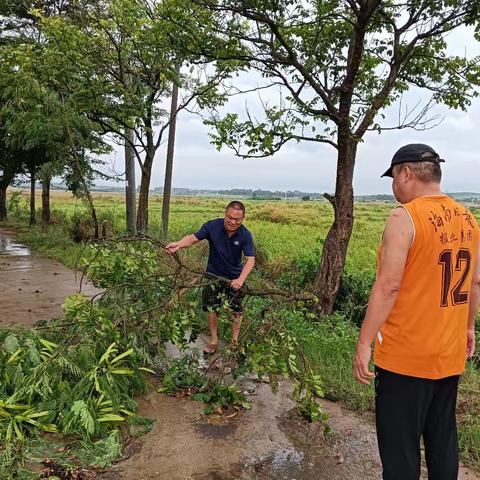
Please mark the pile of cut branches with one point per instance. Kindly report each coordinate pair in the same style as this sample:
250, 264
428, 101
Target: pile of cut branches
78, 374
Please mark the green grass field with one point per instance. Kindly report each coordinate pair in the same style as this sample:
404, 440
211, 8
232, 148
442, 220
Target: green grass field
283, 231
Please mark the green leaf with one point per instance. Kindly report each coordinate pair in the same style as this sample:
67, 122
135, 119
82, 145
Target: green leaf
83, 416
123, 355
148, 370
49, 345
18, 431
11, 344
14, 357
111, 349
122, 371
110, 418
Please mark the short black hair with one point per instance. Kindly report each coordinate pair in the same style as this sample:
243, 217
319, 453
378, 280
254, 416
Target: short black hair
236, 205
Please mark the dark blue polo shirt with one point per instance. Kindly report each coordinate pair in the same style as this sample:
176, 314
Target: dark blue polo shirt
225, 256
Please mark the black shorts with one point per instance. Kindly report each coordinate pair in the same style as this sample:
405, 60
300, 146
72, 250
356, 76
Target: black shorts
216, 295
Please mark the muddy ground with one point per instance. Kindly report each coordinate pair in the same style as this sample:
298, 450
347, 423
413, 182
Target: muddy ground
267, 443
270, 442
33, 288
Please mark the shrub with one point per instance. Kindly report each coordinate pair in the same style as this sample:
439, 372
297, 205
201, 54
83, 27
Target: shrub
18, 204
81, 228
352, 298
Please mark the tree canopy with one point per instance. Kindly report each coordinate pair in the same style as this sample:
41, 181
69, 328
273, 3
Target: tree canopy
339, 64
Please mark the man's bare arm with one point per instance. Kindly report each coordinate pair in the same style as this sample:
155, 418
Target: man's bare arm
185, 242
397, 239
247, 268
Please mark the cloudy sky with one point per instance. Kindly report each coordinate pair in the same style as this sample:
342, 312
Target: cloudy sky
311, 167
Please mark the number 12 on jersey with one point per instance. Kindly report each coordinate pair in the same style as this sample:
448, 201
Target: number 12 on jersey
462, 264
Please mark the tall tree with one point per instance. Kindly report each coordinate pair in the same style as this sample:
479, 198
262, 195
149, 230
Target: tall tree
167, 185
123, 55
14, 162
130, 186
19, 152
340, 63
18, 22
37, 124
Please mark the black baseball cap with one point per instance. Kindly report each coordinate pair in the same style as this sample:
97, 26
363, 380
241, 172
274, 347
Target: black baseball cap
413, 152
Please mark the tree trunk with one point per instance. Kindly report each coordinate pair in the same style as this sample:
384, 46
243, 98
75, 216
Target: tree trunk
33, 219
130, 194
46, 202
142, 212
3, 202
334, 252
93, 212
167, 186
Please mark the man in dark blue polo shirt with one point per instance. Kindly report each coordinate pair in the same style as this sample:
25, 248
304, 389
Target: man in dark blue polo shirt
228, 239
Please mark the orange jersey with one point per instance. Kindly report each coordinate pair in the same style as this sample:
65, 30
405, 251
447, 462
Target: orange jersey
425, 334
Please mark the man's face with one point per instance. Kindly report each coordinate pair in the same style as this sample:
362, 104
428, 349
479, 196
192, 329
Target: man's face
233, 220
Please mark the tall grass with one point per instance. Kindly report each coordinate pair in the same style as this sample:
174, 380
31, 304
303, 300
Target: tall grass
329, 345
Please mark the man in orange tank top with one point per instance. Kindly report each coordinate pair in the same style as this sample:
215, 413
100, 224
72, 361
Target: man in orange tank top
421, 316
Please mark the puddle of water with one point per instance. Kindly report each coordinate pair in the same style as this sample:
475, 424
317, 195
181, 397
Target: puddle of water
9, 247
286, 458
282, 463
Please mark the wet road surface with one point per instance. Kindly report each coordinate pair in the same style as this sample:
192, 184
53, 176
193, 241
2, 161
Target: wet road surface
32, 287
269, 442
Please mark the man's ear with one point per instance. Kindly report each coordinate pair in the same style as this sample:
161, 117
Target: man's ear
408, 172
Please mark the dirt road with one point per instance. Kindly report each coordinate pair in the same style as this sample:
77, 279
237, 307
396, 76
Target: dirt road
32, 287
